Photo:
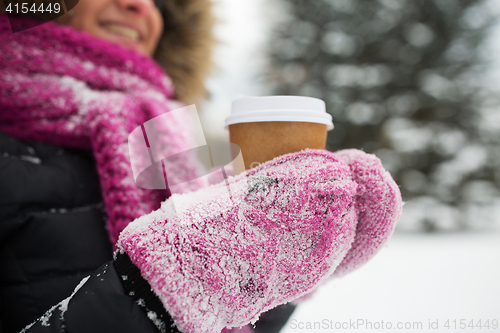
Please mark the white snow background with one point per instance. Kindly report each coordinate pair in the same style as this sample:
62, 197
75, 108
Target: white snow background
417, 277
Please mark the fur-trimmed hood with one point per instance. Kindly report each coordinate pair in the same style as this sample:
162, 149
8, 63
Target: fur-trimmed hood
185, 48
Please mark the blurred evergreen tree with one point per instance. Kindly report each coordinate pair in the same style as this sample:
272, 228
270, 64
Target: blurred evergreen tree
400, 78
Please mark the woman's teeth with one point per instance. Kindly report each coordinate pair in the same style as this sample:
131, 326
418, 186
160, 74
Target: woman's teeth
122, 31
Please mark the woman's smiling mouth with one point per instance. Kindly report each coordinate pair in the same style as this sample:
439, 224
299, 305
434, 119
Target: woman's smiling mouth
122, 30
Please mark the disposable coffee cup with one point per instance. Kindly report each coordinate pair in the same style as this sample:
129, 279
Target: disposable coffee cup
271, 126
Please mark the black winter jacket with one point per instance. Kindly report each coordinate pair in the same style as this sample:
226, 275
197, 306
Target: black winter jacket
52, 230
52, 235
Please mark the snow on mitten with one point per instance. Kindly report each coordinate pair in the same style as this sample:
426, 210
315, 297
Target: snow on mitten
244, 329
217, 260
378, 204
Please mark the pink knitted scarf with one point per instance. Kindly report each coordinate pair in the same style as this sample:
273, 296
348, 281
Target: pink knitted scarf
68, 88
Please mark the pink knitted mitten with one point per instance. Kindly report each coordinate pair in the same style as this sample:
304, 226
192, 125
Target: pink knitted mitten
379, 207
217, 261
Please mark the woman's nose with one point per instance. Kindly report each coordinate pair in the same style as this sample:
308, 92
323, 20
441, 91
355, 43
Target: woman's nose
140, 7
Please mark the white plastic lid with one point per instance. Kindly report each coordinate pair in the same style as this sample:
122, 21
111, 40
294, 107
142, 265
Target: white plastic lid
250, 109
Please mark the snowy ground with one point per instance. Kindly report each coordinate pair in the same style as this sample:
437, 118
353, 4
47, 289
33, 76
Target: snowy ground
416, 278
